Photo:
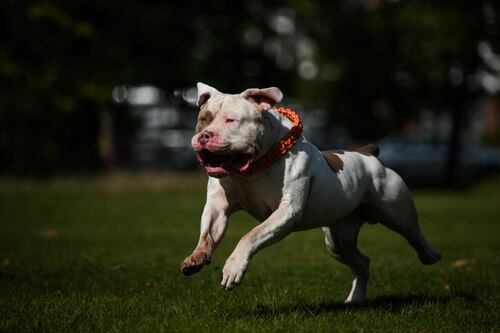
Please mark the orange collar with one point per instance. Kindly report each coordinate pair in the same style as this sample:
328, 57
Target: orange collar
280, 148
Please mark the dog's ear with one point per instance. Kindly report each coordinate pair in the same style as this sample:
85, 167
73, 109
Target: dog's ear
204, 92
264, 98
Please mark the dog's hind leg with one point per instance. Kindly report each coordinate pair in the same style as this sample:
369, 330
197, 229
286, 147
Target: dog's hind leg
341, 243
393, 206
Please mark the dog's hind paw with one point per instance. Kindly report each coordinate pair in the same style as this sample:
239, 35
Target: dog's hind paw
429, 256
358, 291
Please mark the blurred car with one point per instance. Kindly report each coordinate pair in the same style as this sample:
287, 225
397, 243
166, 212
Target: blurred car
151, 131
424, 162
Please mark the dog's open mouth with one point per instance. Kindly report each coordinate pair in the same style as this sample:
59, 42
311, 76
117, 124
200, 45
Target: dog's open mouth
221, 165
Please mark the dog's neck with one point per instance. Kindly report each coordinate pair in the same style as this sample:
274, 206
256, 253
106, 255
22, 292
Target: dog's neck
276, 126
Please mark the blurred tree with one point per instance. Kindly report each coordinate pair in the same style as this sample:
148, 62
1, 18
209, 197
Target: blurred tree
372, 64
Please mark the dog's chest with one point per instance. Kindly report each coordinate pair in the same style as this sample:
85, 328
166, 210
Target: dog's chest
259, 198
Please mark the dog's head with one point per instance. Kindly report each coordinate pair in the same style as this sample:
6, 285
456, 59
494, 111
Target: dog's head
230, 128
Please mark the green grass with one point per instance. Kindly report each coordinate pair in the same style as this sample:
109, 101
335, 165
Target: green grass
104, 255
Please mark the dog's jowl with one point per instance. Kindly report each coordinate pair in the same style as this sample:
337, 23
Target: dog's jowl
258, 161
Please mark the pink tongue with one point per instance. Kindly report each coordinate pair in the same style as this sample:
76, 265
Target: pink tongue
239, 162
231, 163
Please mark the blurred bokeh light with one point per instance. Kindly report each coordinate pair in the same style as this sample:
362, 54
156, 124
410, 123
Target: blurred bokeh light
89, 86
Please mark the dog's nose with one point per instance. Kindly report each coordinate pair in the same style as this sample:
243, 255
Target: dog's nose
204, 137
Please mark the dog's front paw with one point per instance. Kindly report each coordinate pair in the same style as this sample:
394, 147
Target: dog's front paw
194, 263
233, 272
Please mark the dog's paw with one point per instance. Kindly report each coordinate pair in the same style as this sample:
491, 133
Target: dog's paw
358, 291
233, 272
429, 255
194, 263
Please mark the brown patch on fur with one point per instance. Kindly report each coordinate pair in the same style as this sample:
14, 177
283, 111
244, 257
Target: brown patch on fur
369, 150
206, 243
333, 160
194, 263
205, 117
200, 256
336, 163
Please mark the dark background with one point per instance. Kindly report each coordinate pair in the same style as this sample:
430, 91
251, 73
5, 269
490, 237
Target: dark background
374, 67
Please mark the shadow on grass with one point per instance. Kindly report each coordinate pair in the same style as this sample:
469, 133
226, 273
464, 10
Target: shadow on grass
391, 303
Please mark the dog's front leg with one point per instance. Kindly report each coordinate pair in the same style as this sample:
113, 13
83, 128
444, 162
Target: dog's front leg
213, 225
273, 229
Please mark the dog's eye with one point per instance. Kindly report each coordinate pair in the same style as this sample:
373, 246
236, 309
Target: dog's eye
203, 120
230, 120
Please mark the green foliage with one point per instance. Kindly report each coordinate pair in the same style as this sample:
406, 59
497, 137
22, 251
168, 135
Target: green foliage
103, 255
492, 138
370, 64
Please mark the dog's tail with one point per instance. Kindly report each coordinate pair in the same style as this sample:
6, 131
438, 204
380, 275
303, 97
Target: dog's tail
369, 149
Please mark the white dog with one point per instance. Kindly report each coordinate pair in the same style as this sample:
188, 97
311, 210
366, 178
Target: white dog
258, 161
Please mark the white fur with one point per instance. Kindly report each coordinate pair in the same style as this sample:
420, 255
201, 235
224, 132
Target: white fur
299, 192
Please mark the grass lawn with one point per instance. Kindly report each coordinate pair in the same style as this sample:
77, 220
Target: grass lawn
104, 255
